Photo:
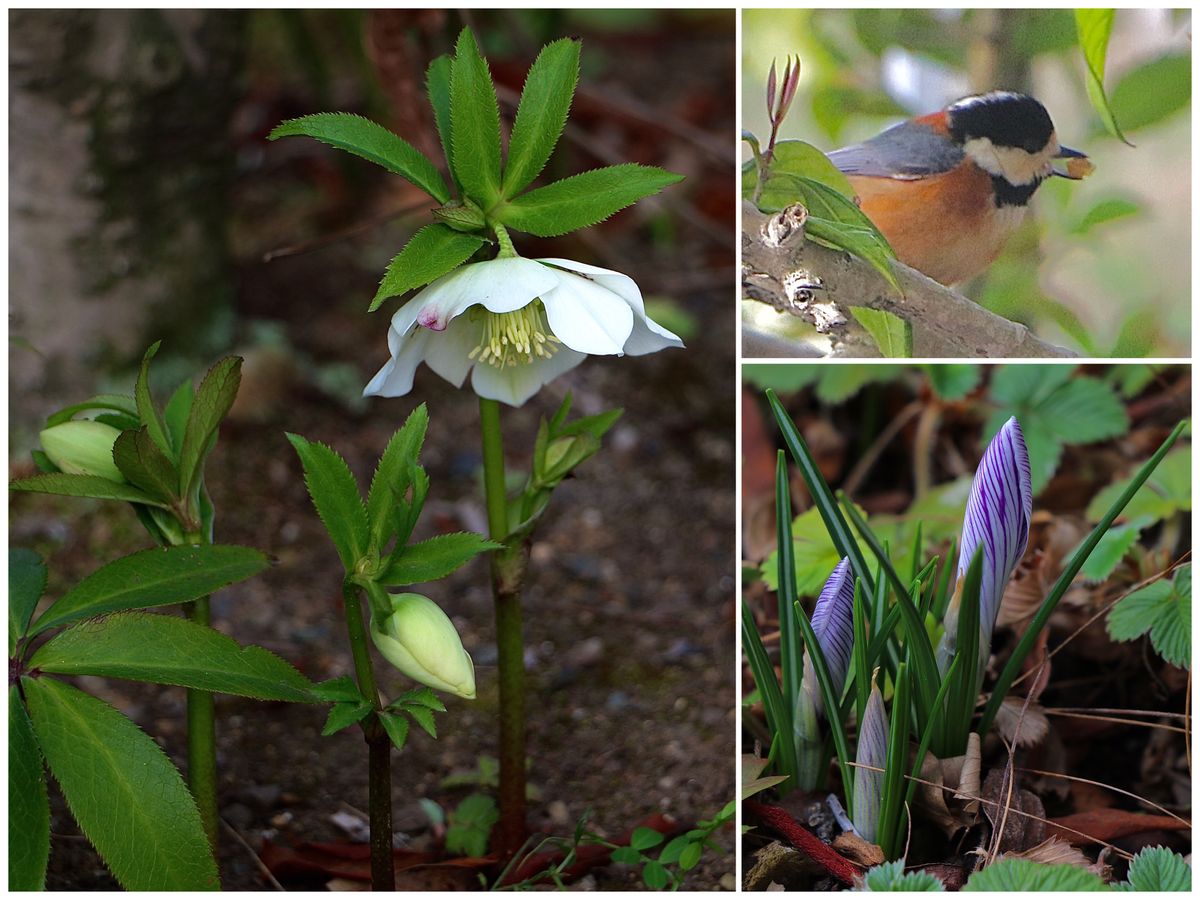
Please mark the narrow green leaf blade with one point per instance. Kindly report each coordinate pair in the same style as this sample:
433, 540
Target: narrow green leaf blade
156, 577
169, 650
372, 142
145, 404
474, 123
1094, 27
432, 252
28, 806
177, 412
66, 485
437, 85
124, 792
791, 653
435, 558
583, 199
212, 403
541, 114
779, 717
391, 475
26, 584
892, 334
335, 494
145, 465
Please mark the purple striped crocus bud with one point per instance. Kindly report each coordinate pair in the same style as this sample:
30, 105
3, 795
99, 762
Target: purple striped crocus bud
833, 624
998, 512
871, 758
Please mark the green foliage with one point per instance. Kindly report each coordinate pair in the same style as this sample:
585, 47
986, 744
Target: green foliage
393, 477
1017, 875
584, 199
432, 252
146, 466
1164, 609
1167, 493
892, 877
1112, 209
157, 577
1113, 548
169, 650
214, 398
953, 381
1153, 91
28, 806
433, 559
1095, 27
26, 583
474, 123
470, 824
371, 141
891, 334
146, 410
343, 714
334, 493
437, 84
94, 486
834, 384
122, 789
541, 114
1158, 869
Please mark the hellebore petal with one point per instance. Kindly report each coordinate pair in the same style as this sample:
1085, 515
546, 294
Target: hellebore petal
421, 641
83, 447
833, 624
871, 751
515, 324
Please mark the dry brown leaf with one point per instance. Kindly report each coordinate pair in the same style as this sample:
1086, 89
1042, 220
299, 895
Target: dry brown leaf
1024, 726
969, 773
858, 850
1108, 824
1054, 851
1018, 812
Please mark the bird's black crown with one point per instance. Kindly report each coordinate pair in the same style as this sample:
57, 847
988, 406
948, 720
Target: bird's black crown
1006, 119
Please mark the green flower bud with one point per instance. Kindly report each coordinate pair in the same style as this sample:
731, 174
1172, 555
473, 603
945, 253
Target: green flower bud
420, 640
83, 447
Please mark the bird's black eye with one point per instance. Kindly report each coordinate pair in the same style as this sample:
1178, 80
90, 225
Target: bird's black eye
1033, 145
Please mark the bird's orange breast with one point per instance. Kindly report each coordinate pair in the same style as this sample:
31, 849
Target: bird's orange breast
946, 226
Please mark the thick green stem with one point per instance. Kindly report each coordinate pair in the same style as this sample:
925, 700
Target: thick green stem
379, 748
202, 740
508, 570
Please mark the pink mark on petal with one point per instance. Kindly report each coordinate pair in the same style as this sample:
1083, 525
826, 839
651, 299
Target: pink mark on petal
428, 318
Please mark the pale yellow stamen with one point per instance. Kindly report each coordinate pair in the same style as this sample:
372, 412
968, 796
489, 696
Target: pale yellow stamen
514, 338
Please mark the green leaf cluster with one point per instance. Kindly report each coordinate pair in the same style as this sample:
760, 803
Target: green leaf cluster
1164, 609
489, 190
674, 857
469, 825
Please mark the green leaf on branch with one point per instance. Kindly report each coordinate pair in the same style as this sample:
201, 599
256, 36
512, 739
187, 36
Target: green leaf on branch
437, 85
1018, 875
178, 411
432, 252
584, 199
1094, 27
422, 696
891, 334
67, 485
433, 559
123, 791
157, 577
1111, 210
423, 716
1164, 609
391, 476
396, 727
1113, 547
28, 806
474, 123
372, 142
1153, 91
1158, 869
470, 824
145, 404
335, 494
169, 650
343, 715
214, 398
341, 688
541, 114
145, 465
26, 584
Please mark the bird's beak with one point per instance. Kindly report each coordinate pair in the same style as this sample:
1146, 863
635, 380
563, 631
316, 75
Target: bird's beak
1075, 170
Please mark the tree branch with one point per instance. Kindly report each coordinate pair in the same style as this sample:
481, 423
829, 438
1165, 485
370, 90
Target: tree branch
819, 285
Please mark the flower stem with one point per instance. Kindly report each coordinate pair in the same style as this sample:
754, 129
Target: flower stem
506, 245
508, 571
379, 749
202, 740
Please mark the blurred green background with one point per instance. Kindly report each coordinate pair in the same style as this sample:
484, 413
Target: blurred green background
1103, 266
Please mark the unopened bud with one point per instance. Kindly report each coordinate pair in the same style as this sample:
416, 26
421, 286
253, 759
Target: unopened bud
461, 216
83, 447
421, 641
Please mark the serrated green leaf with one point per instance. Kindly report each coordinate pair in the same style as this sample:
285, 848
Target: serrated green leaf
1112, 548
474, 124
1020, 875
396, 727
343, 715
157, 577
26, 584
212, 403
1167, 492
1082, 411
177, 412
145, 404
423, 716
644, 838
28, 806
372, 142
116, 402
470, 824
541, 114
391, 475
953, 381
66, 485
432, 252
169, 650
437, 86
422, 696
433, 559
145, 465
335, 494
891, 334
1094, 26
583, 200
1153, 91
123, 791
341, 688
1159, 869
892, 877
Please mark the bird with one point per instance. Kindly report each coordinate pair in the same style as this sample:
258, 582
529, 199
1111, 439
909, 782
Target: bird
949, 188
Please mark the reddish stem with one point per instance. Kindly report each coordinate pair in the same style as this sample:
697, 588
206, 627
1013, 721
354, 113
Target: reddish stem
805, 841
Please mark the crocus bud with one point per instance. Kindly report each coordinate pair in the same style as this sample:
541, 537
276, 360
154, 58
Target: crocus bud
833, 624
83, 447
420, 640
871, 755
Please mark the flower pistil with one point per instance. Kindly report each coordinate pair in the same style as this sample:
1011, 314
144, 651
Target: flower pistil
514, 338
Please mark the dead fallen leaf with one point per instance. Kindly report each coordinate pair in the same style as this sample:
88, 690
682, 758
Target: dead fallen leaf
1023, 725
1108, 824
1055, 851
1017, 811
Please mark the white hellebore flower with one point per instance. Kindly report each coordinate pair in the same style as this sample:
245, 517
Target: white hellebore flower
420, 640
515, 324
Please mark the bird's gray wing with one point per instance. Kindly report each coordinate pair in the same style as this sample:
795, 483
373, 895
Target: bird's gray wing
908, 150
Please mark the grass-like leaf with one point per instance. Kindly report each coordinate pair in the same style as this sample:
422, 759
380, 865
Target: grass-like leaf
891, 809
891, 334
28, 806
67, 485
391, 475
791, 654
1095, 27
432, 252
212, 403
964, 691
335, 494
541, 114
149, 578
26, 584
123, 791
145, 405
474, 124
931, 728
372, 142
169, 650
433, 559
583, 199
779, 716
